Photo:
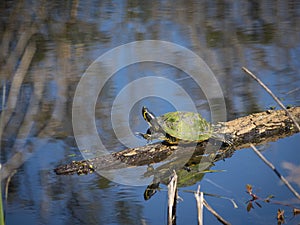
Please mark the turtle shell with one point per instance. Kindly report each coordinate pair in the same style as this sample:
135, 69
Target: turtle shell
187, 126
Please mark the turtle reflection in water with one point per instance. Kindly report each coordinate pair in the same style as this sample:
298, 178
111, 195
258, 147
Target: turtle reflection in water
175, 127
187, 176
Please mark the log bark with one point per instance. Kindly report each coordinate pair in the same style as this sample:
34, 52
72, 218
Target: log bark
257, 128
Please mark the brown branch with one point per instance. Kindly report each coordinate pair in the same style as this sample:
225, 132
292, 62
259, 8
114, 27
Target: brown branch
257, 128
273, 96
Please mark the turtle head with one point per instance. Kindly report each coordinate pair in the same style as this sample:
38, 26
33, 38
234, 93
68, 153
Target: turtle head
151, 120
148, 116
155, 131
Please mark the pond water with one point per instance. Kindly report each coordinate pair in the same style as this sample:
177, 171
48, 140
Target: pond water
47, 47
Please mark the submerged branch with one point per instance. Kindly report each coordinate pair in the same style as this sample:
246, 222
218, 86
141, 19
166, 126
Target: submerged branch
220, 218
282, 178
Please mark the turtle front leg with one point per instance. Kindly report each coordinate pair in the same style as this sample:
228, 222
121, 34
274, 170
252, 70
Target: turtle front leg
145, 136
148, 136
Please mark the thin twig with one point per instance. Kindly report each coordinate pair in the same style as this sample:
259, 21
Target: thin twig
282, 178
273, 96
220, 218
199, 199
292, 91
172, 198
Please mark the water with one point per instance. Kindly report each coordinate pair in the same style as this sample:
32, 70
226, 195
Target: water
69, 36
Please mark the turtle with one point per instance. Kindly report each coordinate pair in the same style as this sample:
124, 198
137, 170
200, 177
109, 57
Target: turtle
179, 126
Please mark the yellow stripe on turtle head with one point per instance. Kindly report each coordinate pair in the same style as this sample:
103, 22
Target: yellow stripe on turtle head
148, 116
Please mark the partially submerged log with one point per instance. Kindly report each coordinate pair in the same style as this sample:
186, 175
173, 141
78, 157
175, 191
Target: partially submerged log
257, 128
